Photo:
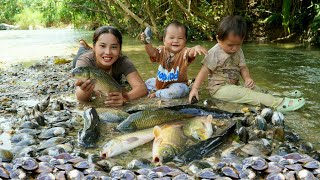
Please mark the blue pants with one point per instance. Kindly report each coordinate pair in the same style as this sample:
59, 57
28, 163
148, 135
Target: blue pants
174, 90
81, 50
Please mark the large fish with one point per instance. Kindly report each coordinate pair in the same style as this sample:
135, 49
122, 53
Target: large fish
126, 142
112, 115
204, 148
198, 128
104, 83
169, 141
89, 135
150, 118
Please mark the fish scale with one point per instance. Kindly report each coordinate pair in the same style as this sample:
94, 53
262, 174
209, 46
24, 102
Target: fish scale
150, 118
103, 81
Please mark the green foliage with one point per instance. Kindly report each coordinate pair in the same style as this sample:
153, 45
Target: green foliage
9, 8
315, 25
286, 10
27, 18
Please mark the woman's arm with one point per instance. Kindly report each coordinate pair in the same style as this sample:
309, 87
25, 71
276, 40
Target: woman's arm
202, 75
138, 87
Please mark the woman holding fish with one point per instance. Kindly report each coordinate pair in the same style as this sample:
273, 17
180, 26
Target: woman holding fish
106, 56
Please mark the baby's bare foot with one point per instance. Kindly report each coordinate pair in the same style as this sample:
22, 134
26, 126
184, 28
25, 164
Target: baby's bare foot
152, 95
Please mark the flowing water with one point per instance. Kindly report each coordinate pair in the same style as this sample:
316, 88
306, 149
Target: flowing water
275, 67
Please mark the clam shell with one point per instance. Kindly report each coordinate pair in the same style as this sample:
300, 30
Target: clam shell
61, 175
82, 165
139, 163
259, 164
261, 123
46, 176
53, 132
305, 175
267, 113
230, 172
44, 167
277, 119
29, 164
206, 174
5, 155
277, 176
274, 167
4, 173
312, 165
75, 175
247, 174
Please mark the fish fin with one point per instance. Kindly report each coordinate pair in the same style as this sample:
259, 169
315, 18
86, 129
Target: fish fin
209, 118
132, 139
156, 131
93, 81
157, 141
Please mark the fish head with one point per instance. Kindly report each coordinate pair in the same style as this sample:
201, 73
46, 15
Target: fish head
81, 73
88, 138
91, 119
166, 153
111, 149
126, 126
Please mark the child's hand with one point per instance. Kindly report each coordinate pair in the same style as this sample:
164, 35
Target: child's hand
142, 37
152, 95
197, 50
193, 92
249, 83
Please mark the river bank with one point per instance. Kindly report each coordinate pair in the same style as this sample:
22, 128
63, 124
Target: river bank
22, 87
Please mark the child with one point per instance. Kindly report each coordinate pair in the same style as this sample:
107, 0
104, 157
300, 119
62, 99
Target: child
224, 65
173, 58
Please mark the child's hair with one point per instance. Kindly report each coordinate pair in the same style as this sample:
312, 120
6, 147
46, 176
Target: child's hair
232, 24
175, 23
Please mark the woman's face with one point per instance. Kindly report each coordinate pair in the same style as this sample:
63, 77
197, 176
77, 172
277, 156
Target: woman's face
107, 50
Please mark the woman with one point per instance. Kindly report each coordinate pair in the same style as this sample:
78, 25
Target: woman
106, 55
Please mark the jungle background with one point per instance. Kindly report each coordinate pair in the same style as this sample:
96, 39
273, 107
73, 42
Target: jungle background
295, 21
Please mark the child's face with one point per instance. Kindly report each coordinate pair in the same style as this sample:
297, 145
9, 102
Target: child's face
175, 39
231, 44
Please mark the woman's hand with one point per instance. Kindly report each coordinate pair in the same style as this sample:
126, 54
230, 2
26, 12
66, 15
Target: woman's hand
86, 86
249, 83
115, 99
193, 92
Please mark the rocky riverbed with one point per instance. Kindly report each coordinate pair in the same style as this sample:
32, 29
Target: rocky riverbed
40, 120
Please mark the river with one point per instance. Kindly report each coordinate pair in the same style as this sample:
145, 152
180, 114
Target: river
276, 67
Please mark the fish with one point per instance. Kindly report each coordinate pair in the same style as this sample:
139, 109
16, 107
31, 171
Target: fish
197, 110
89, 135
203, 148
169, 141
198, 128
104, 83
111, 115
150, 118
126, 142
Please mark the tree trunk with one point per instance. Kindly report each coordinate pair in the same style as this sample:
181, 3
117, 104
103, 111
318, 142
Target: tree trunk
153, 22
229, 7
130, 13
